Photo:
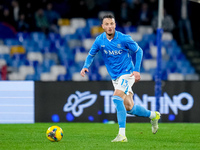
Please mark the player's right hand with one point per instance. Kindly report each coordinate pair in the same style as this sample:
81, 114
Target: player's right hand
83, 71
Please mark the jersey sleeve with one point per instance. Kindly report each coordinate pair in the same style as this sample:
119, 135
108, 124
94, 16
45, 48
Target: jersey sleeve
95, 47
134, 47
130, 44
93, 51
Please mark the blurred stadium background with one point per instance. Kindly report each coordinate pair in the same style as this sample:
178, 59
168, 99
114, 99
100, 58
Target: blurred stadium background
43, 42
49, 40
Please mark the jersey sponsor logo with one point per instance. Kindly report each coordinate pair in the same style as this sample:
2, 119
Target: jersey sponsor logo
102, 45
113, 52
76, 103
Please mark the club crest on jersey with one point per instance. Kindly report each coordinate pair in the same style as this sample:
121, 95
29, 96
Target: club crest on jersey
118, 45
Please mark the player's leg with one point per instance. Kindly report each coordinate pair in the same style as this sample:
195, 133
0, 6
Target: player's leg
118, 99
141, 111
136, 109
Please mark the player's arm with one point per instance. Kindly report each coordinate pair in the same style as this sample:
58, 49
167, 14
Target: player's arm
93, 51
136, 72
87, 64
133, 46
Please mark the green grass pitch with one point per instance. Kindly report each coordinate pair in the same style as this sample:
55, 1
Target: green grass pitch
98, 136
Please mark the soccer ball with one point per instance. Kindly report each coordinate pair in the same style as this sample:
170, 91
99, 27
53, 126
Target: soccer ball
54, 133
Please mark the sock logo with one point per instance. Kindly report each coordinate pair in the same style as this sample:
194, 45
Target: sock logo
77, 102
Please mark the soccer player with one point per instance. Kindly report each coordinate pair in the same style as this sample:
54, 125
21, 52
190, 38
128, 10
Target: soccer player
115, 47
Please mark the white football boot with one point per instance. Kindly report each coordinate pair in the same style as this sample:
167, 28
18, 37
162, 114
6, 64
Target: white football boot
120, 138
154, 123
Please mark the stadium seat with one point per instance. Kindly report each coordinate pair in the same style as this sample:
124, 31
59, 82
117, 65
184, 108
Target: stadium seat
19, 57
21, 36
66, 30
58, 70
54, 36
11, 42
6, 57
33, 77
96, 30
25, 70
2, 63
77, 77
51, 56
63, 77
87, 43
129, 29
31, 63
32, 49
136, 36
149, 64
149, 38
15, 76
63, 22
145, 29
17, 50
192, 77
47, 63
78, 22
4, 49
146, 77
83, 33
154, 51
38, 36
35, 56
48, 77
74, 43
103, 73
58, 43
167, 36
175, 77
30, 45
93, 22
80, 56
44, 44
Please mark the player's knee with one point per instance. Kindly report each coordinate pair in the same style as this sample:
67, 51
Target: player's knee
119, 93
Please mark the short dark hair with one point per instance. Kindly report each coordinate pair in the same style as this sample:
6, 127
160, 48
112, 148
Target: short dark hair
107, 16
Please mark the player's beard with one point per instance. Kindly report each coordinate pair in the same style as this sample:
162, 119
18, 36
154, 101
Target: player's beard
110, 34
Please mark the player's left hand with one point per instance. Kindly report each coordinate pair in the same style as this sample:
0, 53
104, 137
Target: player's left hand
137, 76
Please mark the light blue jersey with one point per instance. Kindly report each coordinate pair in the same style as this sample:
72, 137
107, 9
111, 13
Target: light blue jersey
116, 54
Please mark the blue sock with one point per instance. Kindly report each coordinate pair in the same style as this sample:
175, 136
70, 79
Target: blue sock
139, 111
121, 111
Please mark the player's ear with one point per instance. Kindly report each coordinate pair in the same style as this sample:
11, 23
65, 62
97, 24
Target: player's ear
102, 26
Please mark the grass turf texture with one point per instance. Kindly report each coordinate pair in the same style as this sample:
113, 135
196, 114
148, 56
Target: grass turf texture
92, 136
